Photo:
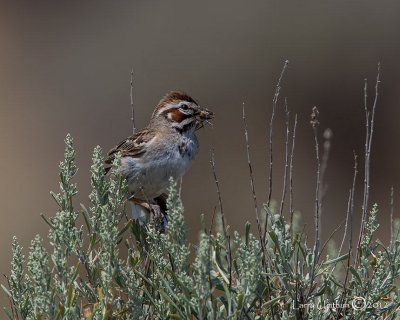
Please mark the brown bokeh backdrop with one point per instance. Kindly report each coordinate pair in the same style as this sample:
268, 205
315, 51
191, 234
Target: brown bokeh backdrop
64, 67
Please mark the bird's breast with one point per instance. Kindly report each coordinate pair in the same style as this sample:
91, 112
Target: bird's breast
187, 149
170, 158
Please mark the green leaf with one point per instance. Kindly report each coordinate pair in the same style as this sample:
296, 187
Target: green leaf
274, 238
343, 257
75, 273
166, 297
273, 301
86, 217
126, 227
70, 295
8, 314
6, 291
247, 234
222, 273
47, 221
240, 300
356, 275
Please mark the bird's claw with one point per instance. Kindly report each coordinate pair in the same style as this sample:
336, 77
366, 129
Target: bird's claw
158, 218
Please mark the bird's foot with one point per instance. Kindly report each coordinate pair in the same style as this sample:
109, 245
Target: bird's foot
156, 216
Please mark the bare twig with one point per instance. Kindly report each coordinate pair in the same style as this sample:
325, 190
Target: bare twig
340, 249
212, 221
212, 162
261, 235
286, 158
373, 113
314, 123
346, 225
11, 300
132, 108
348, 258
391, 212
364, 205
252, 178
332, 234
352, 191
209, 273
229, 259
324, 165
271, 123
83, 259
298, 312
291, 174
367, 161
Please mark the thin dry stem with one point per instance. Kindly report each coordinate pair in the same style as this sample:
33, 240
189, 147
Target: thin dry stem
346, 225
391, 212
13, 309
367, 162
210, 231
212, 162
271, 124
352, 192
291, 173
261, 235
286, 158
373, 110
317, 194
132, 108
331, 236
252, 177
314, 123
364, 206
344, 233
324, 166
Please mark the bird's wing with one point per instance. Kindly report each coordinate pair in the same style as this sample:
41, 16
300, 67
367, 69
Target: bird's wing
132, 146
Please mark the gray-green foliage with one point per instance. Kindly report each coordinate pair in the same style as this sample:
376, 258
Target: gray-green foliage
113, 268
38, 267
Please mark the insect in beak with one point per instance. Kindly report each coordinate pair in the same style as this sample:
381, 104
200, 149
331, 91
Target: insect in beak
205, 114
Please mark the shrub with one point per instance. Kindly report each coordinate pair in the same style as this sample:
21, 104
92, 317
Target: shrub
113, 268
85, 276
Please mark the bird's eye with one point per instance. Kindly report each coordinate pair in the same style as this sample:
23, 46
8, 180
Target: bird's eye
184, 106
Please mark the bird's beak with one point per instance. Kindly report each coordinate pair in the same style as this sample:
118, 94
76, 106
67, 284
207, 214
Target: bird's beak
205, 114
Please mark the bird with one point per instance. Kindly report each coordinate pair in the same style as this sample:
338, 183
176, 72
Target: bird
165, 148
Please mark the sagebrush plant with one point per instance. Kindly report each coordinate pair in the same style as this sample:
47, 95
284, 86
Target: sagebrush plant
113, 268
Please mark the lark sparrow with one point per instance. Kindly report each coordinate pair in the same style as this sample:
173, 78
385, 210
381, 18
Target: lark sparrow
164, 149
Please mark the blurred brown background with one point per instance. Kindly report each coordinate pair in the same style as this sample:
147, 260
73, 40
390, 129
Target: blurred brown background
64, 67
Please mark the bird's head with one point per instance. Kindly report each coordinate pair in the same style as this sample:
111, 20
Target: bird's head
181, 111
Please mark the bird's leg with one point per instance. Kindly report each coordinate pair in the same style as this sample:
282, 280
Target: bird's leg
157, 216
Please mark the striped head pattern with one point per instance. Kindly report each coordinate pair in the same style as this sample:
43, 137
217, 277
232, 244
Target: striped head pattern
182, 111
